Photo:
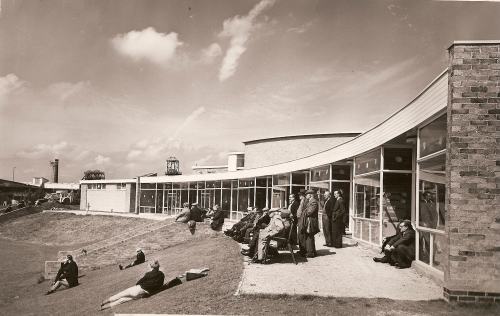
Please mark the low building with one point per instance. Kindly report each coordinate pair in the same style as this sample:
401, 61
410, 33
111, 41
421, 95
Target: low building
434, 162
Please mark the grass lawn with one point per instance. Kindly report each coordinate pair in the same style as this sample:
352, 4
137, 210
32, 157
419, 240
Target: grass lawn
210, 295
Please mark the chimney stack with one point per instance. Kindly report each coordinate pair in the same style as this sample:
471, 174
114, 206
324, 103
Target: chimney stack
55, 170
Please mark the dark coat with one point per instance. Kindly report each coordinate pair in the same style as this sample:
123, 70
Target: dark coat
217, 220
339, 210
293, 209
152, 281
311, 213
329, 207
68, 271
141, 258
407, 239
195, 214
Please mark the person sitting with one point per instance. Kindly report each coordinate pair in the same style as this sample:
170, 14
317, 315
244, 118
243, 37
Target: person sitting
275, 227
249, 227
236, 230
262, 223
151, 282
140, 258
196, 213
67, 275
185, 215
400, 250
217, 219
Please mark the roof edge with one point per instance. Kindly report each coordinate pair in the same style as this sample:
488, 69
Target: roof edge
478, 42
321, 135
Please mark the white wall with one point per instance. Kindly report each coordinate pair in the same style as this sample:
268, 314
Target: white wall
109, 200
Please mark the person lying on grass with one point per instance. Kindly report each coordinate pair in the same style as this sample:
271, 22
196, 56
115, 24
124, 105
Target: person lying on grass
151, 282
67, 275
140, 258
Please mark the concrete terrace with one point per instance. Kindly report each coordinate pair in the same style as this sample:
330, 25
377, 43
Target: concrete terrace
346, 272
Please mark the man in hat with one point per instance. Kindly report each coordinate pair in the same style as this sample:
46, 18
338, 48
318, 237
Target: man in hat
293, 205
195, 213
67, 275
275, 227
261, 223
140, 258
310, 224
185, 215
217, 219
151, 282
327, 219
301, 236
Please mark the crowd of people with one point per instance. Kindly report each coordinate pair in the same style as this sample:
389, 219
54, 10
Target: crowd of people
298, 224
192, 215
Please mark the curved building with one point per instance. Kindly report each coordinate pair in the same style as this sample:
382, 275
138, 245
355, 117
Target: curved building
434, 162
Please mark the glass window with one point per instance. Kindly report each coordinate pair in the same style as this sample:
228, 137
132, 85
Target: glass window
148, 186
397, 159
260, 197
396, 204
320, 174
432, 212
246, 183
433, 136
235, 184
201, 185
103, 187
341, 172
147, 198
279, 196
226, 184
168, 186
243, 200
176, 186
424, 247
375, 232
368, 162
299, 178
346, 188
367, 193
281, 179
439, 244
261, 182
192, 185
226, 200
159, 201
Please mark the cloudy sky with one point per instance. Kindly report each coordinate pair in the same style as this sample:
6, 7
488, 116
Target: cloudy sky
122, 85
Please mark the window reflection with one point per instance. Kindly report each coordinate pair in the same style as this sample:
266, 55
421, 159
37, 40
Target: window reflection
433, 137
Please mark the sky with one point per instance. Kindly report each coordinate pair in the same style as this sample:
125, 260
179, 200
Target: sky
122, 85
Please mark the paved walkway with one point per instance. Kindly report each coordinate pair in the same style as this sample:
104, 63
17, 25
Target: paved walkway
346, 272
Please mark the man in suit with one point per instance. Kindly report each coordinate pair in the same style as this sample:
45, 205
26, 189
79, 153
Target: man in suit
327, 219
293, 205
275, 227
301, 235
311, 224
400, 250
338, 215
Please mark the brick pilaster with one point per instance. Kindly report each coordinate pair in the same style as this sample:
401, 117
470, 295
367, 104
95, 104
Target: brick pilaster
472, 172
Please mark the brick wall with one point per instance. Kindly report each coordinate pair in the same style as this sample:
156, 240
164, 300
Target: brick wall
472, 272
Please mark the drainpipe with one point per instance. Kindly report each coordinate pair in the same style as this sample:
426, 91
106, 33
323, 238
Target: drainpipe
137, 194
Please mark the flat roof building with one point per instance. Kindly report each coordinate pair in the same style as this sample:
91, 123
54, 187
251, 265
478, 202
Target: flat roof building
434, 162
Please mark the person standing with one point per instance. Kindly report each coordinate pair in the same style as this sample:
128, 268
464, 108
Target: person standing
327, 219
301, 235
311, 226
338, 214
293, 205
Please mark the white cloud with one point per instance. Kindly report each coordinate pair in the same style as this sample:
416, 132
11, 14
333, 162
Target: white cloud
301, 29
9, 84
238, 29
45, 150
65, 90
191, 117
101, 160
147, 44
209, 54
